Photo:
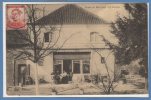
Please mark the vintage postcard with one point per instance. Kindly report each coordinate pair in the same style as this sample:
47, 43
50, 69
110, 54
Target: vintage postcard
75, 49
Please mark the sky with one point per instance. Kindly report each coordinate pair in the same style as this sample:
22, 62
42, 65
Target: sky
107, 12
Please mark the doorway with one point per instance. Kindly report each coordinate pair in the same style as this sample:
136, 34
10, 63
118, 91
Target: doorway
22, 71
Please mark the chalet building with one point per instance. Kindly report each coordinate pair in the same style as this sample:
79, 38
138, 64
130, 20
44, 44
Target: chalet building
82, 31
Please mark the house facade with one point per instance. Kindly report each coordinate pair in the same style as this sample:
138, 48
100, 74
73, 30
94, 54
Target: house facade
82, 49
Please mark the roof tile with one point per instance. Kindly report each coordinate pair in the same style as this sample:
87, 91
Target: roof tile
70, 14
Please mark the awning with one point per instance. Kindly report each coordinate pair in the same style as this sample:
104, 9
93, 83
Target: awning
72, 55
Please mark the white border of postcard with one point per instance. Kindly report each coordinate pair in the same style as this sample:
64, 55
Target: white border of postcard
4, 55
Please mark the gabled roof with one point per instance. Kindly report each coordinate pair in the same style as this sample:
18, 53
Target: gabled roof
70, 14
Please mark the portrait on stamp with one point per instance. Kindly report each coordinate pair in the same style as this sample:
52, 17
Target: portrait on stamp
16, 17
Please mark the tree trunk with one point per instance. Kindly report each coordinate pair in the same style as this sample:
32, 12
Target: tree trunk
36, 80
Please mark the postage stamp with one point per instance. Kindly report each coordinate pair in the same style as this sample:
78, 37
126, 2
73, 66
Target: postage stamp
16, 17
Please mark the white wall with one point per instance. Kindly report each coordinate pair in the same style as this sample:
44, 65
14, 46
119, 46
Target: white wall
45, 70
96, 67
99, 68
79, 37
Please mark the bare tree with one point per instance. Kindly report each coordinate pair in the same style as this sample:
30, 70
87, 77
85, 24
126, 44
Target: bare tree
36, 49
107, 84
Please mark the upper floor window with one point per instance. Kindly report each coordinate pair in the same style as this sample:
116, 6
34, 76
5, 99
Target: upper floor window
48, 36
94, 36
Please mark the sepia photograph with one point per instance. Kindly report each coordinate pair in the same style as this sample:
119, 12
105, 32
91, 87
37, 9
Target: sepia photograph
75, 49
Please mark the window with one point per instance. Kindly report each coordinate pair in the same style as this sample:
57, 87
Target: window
76, 66
58, 66
48, 36
94, 36
86, 66
67, 66
102, 59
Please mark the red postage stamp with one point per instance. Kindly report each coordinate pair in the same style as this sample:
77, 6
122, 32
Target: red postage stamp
16, 17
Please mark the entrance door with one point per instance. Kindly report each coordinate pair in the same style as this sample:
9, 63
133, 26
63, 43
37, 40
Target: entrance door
22, 71
67, 66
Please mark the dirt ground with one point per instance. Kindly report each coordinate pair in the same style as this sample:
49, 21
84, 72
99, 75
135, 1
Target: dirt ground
73, 89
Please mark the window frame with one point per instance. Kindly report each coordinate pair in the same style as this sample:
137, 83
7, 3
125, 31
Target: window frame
73, 66
94, 37
87, 63
59, 62
49, 36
